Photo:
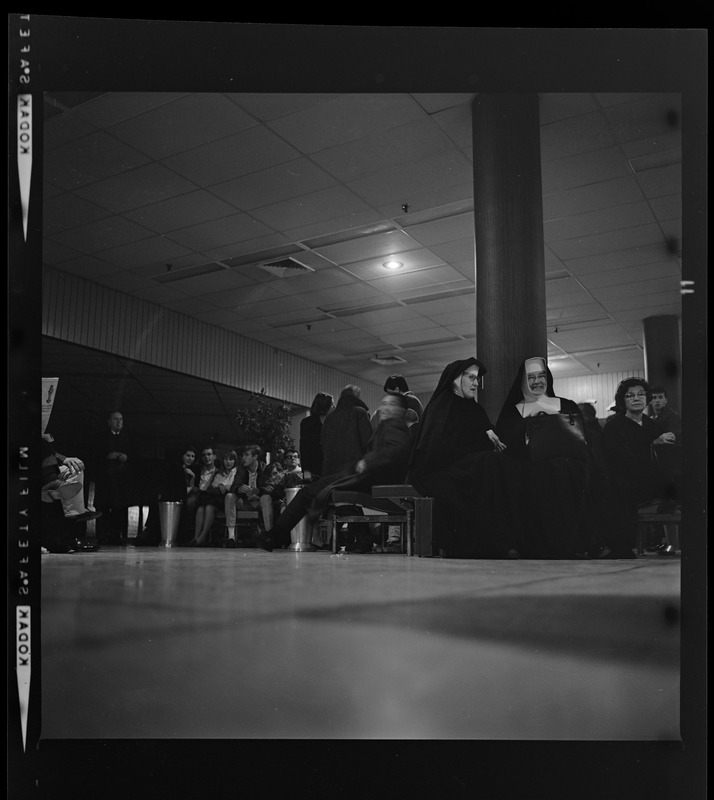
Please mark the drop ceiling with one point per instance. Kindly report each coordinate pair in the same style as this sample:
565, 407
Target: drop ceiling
182, 199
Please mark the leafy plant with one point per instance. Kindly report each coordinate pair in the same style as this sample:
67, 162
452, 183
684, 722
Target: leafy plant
266, 423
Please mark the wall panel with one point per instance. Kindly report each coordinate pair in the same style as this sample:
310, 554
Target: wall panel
91, 315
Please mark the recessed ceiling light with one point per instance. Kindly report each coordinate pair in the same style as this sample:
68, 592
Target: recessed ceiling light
392, 265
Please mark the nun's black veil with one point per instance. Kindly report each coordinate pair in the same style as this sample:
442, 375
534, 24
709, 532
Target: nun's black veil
436, 413
515, 393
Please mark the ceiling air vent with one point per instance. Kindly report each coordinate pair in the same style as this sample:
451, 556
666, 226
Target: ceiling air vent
285, 267
388, 361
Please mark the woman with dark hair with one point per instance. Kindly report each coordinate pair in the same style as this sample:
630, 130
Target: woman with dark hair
457, 459
310, 430
564, 497
628, 437
213, 498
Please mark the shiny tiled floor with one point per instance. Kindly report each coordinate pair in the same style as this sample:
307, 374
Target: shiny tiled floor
179, 643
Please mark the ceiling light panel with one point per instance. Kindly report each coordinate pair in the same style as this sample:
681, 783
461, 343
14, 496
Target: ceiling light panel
374, 269
379, 246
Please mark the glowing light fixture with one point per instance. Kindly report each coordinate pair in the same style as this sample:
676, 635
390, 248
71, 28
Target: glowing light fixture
392, 265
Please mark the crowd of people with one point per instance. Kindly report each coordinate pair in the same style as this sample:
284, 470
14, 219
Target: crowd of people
547, 480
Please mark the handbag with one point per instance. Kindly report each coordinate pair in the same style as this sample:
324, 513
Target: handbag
555, 436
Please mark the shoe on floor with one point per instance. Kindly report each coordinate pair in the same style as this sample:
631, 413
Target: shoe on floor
265, 542
230, 544
82, 546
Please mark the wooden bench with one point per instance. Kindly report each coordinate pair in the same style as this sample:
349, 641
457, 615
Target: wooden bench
387, 513
395, 504
420, 510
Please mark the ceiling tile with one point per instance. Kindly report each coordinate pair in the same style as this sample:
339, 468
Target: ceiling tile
619, 191
269, 186
610, 241
268, 105
183, 124
111, 108
370, 154
239, 154
179, 212
142, 186
666, 208
223, 231
89, 159
63, 211
612, 218
628, 275
661, 182
446, 229
330, 203
615, 260
456, 124
556, 106
345, 118
148, 251
404, 183
574, 135
101, 235
584, 169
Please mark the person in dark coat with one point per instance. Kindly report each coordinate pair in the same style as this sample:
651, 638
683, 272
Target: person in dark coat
457, 460
566, 503
310, 432
384, 460
628, 437
345, 432
115, 480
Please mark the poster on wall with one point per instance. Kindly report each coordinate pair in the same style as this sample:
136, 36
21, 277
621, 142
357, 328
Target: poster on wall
49, 390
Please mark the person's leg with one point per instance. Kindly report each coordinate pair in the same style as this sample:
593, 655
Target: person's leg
73, 505
294, 512
209, 515
266, 509
198, 523
229, 505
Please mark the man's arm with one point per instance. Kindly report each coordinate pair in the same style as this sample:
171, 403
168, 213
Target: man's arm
390, 446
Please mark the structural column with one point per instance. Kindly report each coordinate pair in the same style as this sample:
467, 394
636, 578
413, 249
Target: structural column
508, 222
663, 359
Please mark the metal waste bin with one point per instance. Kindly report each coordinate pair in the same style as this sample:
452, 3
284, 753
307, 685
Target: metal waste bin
169, 518
301, 534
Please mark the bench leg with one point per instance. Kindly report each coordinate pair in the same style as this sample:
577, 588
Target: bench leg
422, 526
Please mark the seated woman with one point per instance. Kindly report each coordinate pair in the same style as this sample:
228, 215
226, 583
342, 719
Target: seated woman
628, 437
212, 498
457, 460
565, 499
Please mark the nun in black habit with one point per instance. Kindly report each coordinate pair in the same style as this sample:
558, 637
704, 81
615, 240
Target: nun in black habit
457, 459
567, 503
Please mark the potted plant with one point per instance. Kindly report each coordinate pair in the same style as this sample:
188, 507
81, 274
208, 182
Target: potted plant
266, 423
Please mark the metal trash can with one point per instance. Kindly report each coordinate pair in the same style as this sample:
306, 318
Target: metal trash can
301, 534
169, 518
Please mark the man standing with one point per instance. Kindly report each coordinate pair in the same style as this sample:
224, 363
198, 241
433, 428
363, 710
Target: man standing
667, 419
115, 480
384, 461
